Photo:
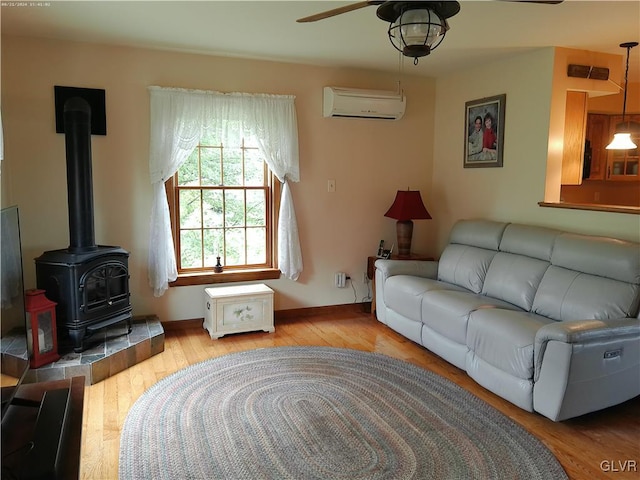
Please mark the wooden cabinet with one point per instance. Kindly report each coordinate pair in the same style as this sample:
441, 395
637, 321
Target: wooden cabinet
597, 136
623, 164
574, 134
616, 165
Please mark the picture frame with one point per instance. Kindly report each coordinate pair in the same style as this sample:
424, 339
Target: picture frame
484, 143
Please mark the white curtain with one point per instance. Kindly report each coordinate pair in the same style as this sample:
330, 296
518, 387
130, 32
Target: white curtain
179, 119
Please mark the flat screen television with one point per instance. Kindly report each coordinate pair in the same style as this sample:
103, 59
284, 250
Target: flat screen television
14, 362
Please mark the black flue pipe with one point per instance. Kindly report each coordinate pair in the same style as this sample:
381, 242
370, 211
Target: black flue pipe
77, 128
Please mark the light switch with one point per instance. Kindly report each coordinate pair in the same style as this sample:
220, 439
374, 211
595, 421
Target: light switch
331, 186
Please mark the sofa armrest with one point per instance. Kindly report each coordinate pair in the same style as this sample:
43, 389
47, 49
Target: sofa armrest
418, 268
585, 365
582, 331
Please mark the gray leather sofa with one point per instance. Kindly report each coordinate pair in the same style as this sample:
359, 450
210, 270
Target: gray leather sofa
545, 319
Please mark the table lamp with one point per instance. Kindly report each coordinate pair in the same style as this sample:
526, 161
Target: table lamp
406, 207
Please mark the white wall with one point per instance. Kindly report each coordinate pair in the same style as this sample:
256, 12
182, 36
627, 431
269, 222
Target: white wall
369, 160
510, 193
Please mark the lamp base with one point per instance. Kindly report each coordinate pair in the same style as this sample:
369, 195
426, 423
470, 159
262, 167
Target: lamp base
404, 232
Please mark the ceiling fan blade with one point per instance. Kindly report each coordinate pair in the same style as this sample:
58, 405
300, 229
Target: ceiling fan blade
338, 11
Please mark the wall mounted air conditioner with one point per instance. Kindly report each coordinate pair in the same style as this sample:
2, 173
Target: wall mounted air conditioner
350, 102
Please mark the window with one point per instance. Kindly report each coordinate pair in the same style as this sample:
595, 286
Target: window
222, 200
180, 122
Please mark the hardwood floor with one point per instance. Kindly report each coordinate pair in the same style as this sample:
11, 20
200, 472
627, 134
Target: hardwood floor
602, 445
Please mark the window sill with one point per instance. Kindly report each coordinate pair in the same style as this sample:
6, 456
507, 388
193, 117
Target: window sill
593, 207
202, 278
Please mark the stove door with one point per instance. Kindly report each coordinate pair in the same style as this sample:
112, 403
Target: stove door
105, 286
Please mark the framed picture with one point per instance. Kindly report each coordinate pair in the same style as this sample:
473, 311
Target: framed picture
484, 132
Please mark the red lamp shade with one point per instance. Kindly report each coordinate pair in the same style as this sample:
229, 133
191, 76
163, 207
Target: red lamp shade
41, 322
406, 207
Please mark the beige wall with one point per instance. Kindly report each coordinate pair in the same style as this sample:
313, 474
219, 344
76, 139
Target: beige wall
368, 159
533, 134
613, 103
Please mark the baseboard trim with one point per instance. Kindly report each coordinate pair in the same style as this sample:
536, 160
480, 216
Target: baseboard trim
183, 324
349, 308
346, 309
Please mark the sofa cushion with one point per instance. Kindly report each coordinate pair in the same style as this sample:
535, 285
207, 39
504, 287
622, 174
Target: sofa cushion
447, 311
403, 294
518, 391
605, 257
485, 234
514, 278
570, 295
472, 245
505, 339
534, 242
465, 266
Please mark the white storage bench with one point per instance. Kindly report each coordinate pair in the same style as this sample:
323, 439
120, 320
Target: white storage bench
238, 308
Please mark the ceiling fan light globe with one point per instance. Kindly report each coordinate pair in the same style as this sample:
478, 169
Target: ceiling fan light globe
414, 24
417, 31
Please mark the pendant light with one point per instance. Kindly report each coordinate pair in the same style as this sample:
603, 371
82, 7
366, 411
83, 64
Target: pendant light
622, 137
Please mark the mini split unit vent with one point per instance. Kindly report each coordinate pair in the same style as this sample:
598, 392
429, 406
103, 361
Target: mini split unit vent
349, 102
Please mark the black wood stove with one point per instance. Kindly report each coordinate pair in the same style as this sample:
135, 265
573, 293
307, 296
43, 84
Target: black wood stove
89, 282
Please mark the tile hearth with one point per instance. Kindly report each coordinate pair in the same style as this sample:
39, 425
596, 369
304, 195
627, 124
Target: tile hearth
109, 351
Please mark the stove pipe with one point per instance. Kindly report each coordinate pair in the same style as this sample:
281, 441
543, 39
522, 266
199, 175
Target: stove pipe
77, 127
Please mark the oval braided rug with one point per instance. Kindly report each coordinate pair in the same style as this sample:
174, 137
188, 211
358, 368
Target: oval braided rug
322, 413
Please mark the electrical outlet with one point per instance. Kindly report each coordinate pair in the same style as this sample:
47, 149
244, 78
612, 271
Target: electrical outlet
365, 278
341, 279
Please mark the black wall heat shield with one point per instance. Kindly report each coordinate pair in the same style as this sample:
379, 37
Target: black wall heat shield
93, 96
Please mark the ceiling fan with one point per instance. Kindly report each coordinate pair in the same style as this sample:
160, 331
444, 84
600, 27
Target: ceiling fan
415, 27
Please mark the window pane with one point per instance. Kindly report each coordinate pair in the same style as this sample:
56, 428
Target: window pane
96, 291
235, 246
211, 166
233, 134
256, 208
253, 168
213, 246
234, 208
210, 138
45, 322
190, 209
117, 281
213, 209
189, 174
256, 241
232, 172
190, 249
215, 220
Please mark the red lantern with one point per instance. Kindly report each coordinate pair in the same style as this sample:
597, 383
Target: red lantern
41, 322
